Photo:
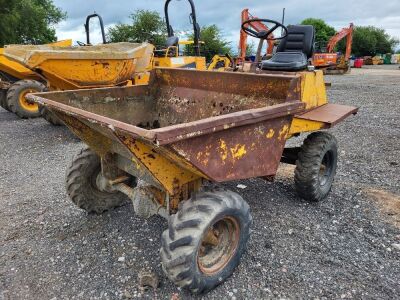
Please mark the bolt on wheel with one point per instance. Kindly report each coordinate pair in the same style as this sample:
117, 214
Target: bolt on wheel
218, 245
205, 240
26, 104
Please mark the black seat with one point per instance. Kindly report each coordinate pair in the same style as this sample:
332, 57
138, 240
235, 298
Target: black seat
293, 51
172, 41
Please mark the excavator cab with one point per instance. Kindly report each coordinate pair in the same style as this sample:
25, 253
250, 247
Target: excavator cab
296, 46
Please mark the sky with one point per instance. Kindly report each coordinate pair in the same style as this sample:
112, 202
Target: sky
226, 14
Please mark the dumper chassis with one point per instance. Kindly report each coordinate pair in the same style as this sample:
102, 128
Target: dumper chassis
167, 145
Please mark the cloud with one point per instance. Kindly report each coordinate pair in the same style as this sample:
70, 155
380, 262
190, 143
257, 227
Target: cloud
226, 14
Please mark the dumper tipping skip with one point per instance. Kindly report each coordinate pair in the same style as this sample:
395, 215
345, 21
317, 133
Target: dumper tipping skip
184, 129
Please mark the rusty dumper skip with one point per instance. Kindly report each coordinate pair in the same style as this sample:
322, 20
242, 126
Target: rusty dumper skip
158, 144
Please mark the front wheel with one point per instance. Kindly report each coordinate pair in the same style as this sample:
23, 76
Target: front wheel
316, 166
16, 101
205, 240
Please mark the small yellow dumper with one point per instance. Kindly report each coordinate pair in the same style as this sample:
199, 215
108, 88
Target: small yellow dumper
162, 144
16, 81
66, 68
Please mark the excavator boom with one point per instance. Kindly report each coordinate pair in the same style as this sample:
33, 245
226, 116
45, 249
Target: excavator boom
330, 59
345, 32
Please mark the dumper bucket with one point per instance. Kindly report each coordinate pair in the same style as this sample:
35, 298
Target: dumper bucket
186, 124
83, 67
16, 70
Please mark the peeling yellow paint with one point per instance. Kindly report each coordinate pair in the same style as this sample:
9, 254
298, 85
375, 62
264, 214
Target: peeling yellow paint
204, 157
167, 172
270, 133
283, 132
238, 151
224, 150
198, 156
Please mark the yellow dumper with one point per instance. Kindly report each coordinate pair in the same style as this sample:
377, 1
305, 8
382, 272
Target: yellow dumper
16, 81
161, 144
70, 68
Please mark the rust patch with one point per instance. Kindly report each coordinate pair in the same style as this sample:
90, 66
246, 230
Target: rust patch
240, 152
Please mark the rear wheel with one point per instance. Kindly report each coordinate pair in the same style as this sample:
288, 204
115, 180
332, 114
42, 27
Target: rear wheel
205, 240
316, 166
49, 116
81, 182
18, 104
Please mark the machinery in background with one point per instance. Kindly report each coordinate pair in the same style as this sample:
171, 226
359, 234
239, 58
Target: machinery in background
87, 29
17, 80
170, 56
222, 63
328, 60
258, 27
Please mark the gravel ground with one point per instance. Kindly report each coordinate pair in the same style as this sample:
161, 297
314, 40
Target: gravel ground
344, 247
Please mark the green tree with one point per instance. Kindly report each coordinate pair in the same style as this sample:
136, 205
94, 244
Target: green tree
251, 48
146, 26
214, 42
28, 21
323, 32
369, 41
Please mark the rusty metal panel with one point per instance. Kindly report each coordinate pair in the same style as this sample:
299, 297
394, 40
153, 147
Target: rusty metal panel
248, 151
187, 125
183, 103
261, 85
329, 113
214, 124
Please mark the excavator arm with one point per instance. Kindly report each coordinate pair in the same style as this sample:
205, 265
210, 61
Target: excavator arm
345, 32
258, 26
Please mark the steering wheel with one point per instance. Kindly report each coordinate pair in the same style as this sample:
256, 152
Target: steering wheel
263, 34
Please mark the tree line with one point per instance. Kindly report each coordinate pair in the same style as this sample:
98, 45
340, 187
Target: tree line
33, 21
367, 40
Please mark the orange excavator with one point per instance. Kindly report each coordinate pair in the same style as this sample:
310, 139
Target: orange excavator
258, 27
329, 60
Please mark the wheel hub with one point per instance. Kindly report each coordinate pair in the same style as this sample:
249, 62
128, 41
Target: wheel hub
26, 104
218, 245
103, 184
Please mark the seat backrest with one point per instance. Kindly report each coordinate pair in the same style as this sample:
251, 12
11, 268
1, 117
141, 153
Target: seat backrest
300, 38
172, 41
